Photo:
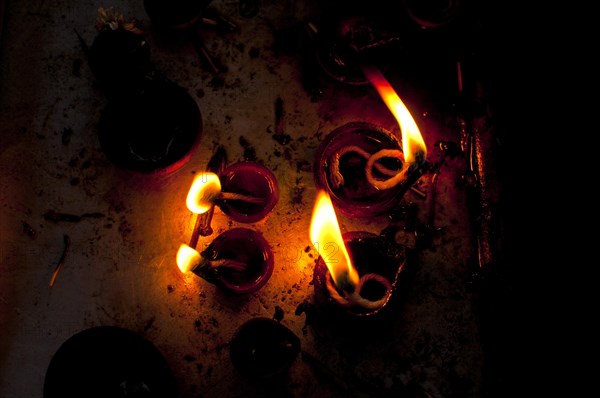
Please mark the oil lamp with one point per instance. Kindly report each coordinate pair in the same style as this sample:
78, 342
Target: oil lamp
256, 191
363, 167
263, 348
119, 56
245, 191
357, 272
108, 361
238, 260
150, 124
153, 129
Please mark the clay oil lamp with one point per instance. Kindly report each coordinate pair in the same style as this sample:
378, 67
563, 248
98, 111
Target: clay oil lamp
239, 260
154, 130
363, 167
108, 361
119, 56
263, 349
150, 124
356, 273
256, 189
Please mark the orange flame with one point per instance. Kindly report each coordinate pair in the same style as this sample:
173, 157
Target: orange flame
187, 258
413, 145
327, 238
205, 188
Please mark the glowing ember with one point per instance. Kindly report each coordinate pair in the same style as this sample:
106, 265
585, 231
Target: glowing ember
187, 258
327, 238
413, 145
204, 190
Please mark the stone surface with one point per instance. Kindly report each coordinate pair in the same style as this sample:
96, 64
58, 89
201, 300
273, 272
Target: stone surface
120, 269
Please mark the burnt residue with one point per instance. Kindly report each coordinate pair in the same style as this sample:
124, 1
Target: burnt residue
297, 193
216, 82
309, 310
54, 216
249, 8
149, 324
66, 134
280, 136
303, 165
249, 151
29, 231
279, 314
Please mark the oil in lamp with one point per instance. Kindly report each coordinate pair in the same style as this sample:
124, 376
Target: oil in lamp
249, 191
362, 166
356, 273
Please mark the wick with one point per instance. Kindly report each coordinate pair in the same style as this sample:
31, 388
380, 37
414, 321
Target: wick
399, 178
222, 263
336, 176
228, 263
354, 298
396, 176
240, 197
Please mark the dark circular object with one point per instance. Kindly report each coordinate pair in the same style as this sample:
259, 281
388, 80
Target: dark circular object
175, 14
108, 362
356, 197
153, 130
345, 45
119, 59
252, 179
433, 13
243, 245
263, 348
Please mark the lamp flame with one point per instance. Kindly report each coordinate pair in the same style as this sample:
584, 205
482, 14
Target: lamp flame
205, 188
327, 238
187, 258
413, 145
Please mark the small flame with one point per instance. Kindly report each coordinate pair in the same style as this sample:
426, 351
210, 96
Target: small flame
205, 188
187, 258
327, 238
413, 145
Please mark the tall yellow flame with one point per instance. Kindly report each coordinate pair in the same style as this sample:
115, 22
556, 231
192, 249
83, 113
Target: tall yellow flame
413, 145
327, 238
205, 187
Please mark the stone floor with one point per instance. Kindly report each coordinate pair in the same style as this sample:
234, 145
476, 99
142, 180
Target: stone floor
120, 268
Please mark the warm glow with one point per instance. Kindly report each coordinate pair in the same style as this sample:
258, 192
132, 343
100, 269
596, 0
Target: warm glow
326, 236
187, 258
413, 144
205, 188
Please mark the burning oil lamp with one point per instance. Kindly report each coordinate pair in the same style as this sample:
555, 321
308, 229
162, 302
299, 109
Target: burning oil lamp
245, 191
361, 165
239, 260
248, 179
356, 273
